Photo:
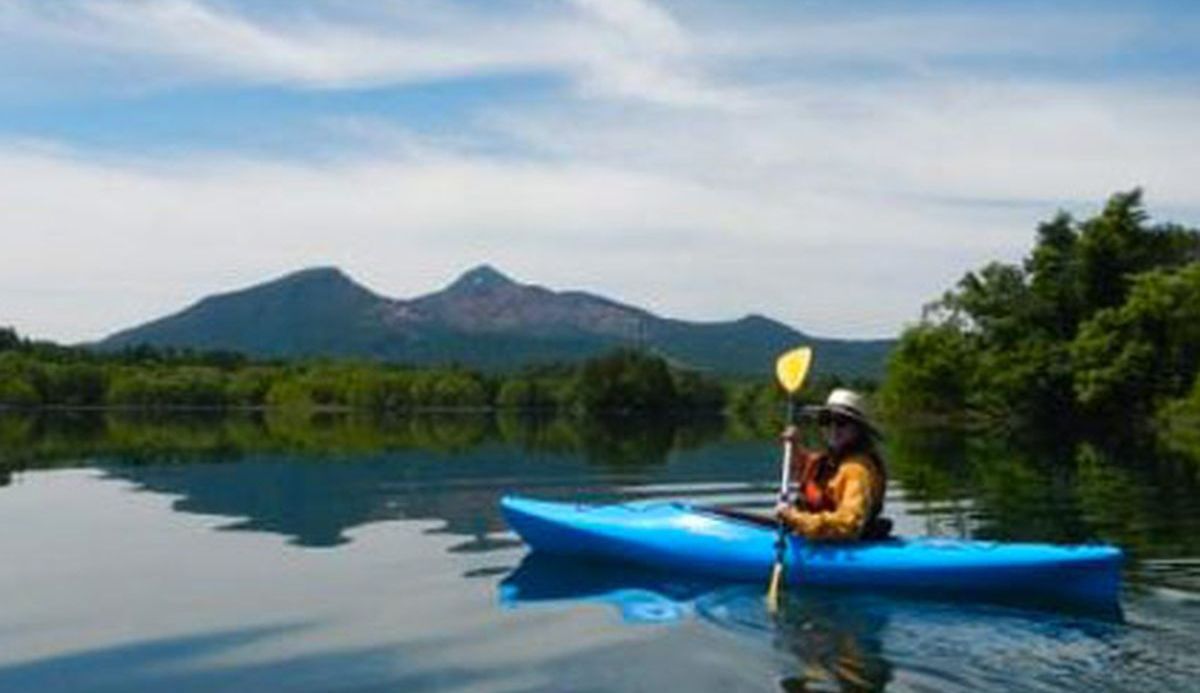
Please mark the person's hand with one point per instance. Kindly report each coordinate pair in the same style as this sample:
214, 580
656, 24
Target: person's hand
782, 508
790, 433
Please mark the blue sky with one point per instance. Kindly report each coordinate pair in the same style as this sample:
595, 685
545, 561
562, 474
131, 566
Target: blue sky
834, 165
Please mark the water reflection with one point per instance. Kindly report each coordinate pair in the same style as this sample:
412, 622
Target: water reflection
61, 438
314, 501
640, 595
313, 478
834, 641
149, 665
1135, 494
326, 482
839, 639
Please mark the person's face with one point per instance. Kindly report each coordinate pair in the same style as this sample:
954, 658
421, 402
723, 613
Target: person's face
840, 432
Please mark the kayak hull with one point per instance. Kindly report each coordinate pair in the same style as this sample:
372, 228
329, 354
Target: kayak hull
692, 540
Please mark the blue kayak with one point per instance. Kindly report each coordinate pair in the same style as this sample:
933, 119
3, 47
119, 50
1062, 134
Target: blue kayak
706, 541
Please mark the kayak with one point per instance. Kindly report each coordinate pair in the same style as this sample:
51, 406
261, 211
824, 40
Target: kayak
693, 539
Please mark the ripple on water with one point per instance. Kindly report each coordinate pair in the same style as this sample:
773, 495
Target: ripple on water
1181, 575
849, 640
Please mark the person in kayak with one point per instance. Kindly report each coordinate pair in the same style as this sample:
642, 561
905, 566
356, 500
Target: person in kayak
841, 488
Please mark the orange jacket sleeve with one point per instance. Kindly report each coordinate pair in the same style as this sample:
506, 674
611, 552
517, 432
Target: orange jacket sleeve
852, 486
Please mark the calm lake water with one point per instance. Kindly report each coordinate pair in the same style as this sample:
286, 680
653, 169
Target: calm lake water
338, 554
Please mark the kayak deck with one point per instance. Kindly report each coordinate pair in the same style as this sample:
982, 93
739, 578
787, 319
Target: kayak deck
682, 537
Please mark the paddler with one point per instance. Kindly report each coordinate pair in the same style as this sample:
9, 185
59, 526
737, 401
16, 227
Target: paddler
840, 489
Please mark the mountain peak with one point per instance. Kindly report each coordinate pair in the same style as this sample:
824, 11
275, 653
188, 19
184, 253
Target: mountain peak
320, 273
481, 278
312, 283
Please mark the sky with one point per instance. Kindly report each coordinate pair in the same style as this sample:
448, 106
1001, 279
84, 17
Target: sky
834, 165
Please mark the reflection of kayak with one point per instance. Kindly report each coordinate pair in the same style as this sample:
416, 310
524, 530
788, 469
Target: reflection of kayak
651, 595
642, 595
832, 638
695, 540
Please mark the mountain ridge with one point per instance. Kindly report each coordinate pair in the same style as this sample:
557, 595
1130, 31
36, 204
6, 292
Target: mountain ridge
483, 319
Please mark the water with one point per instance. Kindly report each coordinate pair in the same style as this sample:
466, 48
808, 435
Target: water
296, 555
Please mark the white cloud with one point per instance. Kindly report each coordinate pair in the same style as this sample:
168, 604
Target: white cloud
122, 243
988, 143
672, 173
197, 40
917, 37
626, 49
643, 24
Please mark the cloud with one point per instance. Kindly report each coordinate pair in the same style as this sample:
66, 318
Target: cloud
832, 169
991, 141
619, 49
915, 37
623, 49
691, 57
194, 40
644, 22
124, 242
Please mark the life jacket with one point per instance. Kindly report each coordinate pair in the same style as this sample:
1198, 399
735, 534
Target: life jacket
814, 495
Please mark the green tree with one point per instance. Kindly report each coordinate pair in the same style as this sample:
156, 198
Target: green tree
459, 389
517, 393
248, 387
1094, 321
70, 384
1118, 244
994, 303
290, 393
15, 388
1179, 422
626, 381
698, 393
1130, 358
930, 370
9, 340
1054, 281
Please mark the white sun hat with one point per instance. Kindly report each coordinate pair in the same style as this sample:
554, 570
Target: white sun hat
850, 404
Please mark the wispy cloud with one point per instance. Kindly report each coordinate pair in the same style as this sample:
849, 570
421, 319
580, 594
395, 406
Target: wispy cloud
710, 158
200, 41
623, 48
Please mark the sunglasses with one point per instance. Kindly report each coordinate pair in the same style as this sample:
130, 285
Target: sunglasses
835, 421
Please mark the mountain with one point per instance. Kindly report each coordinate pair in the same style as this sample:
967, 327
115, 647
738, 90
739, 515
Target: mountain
312, 312
483, 319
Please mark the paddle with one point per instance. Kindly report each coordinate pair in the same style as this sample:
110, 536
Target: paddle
790, 369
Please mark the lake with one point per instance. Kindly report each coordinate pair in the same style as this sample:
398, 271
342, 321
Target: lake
334, 553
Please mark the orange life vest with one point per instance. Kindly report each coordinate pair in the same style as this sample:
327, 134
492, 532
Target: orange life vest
814, 486
813, 494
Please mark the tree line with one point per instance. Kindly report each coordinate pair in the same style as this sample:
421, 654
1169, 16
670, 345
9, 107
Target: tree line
1098, 327
42, 374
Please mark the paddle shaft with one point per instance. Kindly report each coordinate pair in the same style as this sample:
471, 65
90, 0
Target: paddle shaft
785, 476
785, 479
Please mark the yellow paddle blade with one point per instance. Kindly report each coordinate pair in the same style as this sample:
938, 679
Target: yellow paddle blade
792, 368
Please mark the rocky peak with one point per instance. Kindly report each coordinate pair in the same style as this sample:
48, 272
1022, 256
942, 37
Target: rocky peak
480, 279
